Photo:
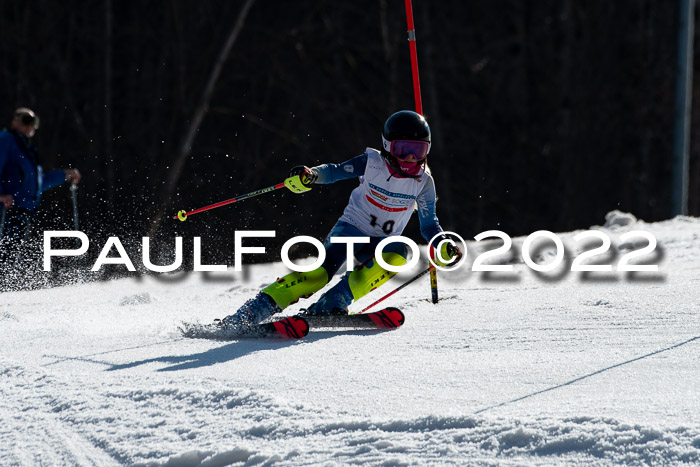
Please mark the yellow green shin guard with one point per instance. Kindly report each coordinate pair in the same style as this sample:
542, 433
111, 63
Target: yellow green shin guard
296, 285
365, 279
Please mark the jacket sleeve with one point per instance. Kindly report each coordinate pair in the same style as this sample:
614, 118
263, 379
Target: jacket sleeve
429, 224
331, 173
52, 179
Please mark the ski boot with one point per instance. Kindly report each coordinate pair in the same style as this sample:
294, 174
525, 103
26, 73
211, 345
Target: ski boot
254, 311
333, 303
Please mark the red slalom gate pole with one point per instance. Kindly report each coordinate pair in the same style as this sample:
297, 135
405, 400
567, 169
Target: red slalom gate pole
414, 56
419, 109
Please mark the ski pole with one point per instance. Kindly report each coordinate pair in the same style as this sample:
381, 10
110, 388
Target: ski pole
294, 183
74, 197
433, 278
2, 220
413, 279
182, 215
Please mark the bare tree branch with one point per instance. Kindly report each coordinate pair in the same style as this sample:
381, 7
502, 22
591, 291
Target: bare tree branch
196, 120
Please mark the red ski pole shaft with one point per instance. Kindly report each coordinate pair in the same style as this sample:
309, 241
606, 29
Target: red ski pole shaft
413, 279
183, 215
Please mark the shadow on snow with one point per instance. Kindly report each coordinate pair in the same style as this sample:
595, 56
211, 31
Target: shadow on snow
221, 354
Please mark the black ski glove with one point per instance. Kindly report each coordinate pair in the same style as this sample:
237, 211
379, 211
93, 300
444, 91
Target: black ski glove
306, 175
451, 253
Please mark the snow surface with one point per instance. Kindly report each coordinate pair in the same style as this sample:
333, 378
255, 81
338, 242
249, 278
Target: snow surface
513, 368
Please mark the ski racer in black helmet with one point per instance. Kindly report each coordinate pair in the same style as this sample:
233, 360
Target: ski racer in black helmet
392, 181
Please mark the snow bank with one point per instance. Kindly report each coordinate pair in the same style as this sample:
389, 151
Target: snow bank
618, 218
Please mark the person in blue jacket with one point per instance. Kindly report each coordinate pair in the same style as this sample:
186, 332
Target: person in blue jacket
22, 179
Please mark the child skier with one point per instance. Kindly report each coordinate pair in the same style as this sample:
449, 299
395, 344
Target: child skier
391, 182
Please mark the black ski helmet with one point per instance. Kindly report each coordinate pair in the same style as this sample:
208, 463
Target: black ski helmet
407, 125
404, 125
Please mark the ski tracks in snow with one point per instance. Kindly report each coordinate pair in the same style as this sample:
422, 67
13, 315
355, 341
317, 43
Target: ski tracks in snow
33, 430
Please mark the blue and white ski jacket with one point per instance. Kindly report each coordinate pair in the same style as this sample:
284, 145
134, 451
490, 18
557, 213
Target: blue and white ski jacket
20, 173
383, 204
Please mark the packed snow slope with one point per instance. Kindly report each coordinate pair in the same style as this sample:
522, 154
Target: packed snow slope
517, 368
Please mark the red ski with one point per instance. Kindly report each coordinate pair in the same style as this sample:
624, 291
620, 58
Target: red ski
297, 327
292, 327
388, 318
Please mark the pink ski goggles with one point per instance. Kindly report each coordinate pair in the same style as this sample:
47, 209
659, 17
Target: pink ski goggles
403, 149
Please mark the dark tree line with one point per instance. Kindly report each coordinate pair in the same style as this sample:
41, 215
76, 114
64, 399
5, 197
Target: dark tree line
545, 114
